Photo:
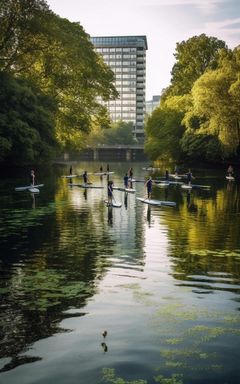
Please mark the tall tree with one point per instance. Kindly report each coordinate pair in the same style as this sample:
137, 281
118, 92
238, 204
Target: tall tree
59, 58
26, 121
216, 96
193, 57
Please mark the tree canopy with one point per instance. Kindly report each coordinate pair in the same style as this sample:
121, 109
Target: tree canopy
26, 121
204, 93
58, 57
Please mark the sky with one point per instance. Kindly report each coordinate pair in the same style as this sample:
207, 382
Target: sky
164, 22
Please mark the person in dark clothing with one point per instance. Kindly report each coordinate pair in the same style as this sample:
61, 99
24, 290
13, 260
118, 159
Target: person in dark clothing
149, 187
130, 173
230, 171
125, 179
85, 177
190, 177
70, 170
167, 174
110, 191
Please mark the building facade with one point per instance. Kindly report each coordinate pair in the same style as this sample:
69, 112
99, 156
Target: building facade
126, 56
152, 104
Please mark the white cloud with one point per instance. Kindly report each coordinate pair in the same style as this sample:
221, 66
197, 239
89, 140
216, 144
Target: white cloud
207, 6
227, 30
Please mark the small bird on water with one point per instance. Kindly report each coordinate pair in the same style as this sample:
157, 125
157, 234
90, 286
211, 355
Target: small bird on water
104, 334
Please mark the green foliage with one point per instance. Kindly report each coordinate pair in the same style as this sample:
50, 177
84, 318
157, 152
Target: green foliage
207, 75
26, 121
118, 133
216, 98
109, 377
193, 58
174, 379
164, 130
58, 57
201, 146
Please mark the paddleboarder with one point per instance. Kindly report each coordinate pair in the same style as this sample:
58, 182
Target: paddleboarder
32, 177
190, 177
167, 175
85, 177
125, 179
110, 192
230, 171
148, 184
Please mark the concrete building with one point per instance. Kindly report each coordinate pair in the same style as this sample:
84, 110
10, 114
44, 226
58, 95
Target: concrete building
152, 104
126, 55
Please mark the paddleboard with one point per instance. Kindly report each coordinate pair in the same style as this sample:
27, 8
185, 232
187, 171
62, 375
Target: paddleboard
176, 177
119, 189
201, 186
230, 177
115, 204
103, 173
149, 168
185, 186
87, 186
34, 190
27, 187
169, 182
69, 176
157, 202
130, 190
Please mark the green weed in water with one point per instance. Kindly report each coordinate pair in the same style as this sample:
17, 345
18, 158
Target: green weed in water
110, 377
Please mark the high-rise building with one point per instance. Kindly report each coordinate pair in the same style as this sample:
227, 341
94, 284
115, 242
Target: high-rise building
126, 56
152, 104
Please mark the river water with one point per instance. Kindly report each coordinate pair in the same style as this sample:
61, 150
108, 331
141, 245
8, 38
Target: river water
163, 282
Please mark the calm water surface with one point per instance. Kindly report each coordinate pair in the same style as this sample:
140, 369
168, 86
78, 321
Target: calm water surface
163, 282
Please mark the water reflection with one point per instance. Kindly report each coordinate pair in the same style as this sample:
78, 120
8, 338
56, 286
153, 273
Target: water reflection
71, 262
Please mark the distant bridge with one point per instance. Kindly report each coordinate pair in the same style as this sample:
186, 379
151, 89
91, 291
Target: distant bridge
112, 152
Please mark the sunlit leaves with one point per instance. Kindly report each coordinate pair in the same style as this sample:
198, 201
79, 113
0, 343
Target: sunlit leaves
163, 131
59, 58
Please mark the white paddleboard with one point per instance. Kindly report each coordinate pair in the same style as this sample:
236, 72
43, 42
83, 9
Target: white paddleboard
230, 177
129, 190
103, 173
69, 176
122, 189
157, 202
90, 186
163, 184
34, 190
27, 187
186, 186
115, 204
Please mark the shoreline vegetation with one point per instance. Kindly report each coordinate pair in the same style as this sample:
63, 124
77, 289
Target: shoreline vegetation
51, 79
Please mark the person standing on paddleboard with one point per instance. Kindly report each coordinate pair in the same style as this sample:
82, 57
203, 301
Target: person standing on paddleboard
130, 174
32, 177
230, 171
85, 177
190, 177
148, 184
125, 179
110, 192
